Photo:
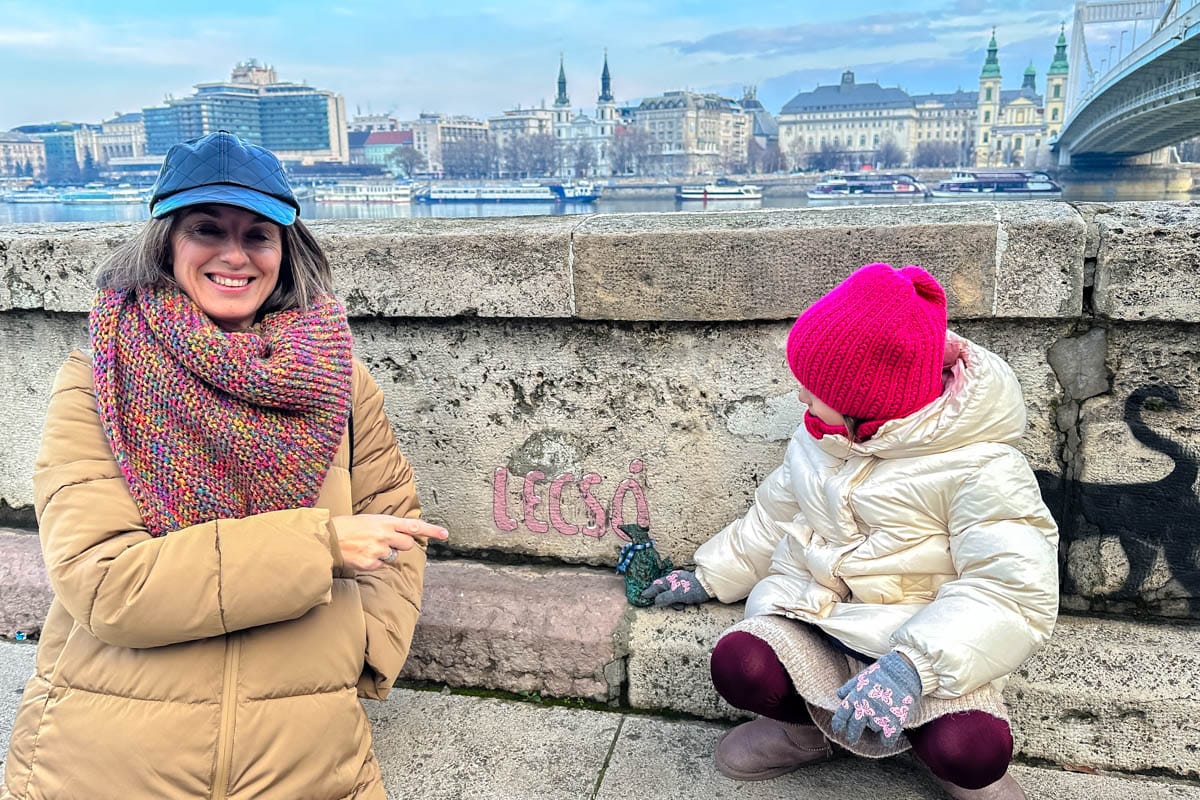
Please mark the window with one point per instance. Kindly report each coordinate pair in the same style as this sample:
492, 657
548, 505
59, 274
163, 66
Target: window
987, 116
1057, 90
1054, 112
987, 94
985, 137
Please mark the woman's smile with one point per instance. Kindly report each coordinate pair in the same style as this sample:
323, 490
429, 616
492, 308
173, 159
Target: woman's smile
227, 260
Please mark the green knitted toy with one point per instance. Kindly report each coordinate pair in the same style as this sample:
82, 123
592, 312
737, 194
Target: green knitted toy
638, 561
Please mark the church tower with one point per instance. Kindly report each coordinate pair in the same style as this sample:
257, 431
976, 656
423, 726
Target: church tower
606, 108
562, 104
1056, 87
988, 107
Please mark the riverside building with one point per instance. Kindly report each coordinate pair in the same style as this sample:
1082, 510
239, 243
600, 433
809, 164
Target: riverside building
297, 122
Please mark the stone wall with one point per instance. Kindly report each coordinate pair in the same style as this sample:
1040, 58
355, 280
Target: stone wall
552, 378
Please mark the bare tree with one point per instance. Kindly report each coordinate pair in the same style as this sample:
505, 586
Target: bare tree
583, 157
754, 155
797, 153
772, 158
629, 150
828, 157
936, 154
408, 160
889, 154
470, 158
545, 157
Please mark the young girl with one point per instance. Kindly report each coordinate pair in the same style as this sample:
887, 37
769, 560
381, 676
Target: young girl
898, 565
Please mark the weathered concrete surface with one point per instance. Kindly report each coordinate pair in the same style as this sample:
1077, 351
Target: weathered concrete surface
1111, 695
1130, 540
490, 267
691, 416
1148, 262
994, 260
1104, 694
35, 345
521, 629
50, 266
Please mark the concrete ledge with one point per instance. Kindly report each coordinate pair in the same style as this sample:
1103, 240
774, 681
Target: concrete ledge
520, 629
996, 260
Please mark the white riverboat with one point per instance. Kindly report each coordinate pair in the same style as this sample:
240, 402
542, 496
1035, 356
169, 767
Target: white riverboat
104, 196
31, 196
981, 184
878, 187
355, 192
528, 192
720, 189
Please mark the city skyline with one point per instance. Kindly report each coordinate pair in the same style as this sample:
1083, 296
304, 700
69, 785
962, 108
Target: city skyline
478, 62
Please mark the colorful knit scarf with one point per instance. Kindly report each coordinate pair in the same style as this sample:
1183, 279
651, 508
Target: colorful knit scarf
209, 425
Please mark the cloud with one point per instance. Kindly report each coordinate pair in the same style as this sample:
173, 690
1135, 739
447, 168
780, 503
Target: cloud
872, 31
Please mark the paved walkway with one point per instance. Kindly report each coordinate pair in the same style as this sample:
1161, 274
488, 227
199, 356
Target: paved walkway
442, 746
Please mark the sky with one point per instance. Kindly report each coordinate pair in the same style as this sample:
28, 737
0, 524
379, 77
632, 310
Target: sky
84, 61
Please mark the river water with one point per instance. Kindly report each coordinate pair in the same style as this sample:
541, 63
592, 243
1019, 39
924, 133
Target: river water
58, 212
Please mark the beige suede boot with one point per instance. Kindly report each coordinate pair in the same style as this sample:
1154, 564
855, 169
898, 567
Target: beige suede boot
1006, 788
765, 748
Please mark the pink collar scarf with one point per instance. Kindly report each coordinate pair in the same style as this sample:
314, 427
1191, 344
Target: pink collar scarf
212, 425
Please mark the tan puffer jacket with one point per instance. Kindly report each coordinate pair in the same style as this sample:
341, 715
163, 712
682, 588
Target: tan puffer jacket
930, 538
223, 660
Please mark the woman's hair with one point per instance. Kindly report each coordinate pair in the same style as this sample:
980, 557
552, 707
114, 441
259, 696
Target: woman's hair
145, 261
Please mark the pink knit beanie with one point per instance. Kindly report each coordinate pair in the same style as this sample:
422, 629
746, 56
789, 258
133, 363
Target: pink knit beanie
872, 348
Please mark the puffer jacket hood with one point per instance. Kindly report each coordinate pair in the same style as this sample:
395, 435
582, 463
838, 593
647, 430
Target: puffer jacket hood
930, 538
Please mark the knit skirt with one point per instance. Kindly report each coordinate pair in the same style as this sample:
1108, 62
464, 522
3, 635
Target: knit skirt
818, 670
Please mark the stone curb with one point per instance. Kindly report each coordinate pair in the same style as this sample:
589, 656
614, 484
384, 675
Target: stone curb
1103, 694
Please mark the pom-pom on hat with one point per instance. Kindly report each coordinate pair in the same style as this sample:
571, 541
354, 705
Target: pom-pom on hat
872, 347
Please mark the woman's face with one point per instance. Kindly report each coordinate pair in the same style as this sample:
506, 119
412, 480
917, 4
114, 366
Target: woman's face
227, 260
819, 409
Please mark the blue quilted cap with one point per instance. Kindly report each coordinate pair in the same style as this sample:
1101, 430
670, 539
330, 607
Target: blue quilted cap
221, 168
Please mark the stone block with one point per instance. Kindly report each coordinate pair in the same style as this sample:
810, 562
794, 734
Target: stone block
668, 659
489, 267
1148, 262
50, 266
26, 595
553, 631
1111, 695
1132, 543
1039, 270
35, 346
772, 264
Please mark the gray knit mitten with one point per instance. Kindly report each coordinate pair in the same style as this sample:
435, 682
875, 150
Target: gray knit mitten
676, 588
881, 697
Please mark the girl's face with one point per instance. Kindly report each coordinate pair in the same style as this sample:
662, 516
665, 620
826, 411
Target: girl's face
819, 409
227, 261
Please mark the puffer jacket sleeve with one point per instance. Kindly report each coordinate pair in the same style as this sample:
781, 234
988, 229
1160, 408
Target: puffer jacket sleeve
1003, 605
383, 484
732, 562
133, 590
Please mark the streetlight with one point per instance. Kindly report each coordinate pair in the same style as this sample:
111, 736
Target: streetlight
1121, 49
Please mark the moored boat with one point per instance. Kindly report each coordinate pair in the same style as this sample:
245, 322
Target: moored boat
867, 186
363, 192
979, 184
32, 196
720, 189
104, 195
528, 192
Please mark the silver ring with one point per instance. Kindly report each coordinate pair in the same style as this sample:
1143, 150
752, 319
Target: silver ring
391, 555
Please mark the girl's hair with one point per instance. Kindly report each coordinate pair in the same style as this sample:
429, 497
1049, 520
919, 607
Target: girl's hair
852, 424
145, 261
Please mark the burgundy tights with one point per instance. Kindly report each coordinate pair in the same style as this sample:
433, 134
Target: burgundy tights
970, 749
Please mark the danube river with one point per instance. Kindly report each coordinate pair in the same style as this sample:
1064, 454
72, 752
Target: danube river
58, 212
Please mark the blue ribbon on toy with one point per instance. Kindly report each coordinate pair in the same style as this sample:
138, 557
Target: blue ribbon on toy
627, 551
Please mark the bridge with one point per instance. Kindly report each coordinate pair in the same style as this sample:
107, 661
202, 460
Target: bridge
1135, 92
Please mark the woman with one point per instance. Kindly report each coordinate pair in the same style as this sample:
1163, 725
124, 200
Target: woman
232, 535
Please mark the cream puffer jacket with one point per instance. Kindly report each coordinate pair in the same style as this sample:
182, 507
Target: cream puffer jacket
931, 538
224, 660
